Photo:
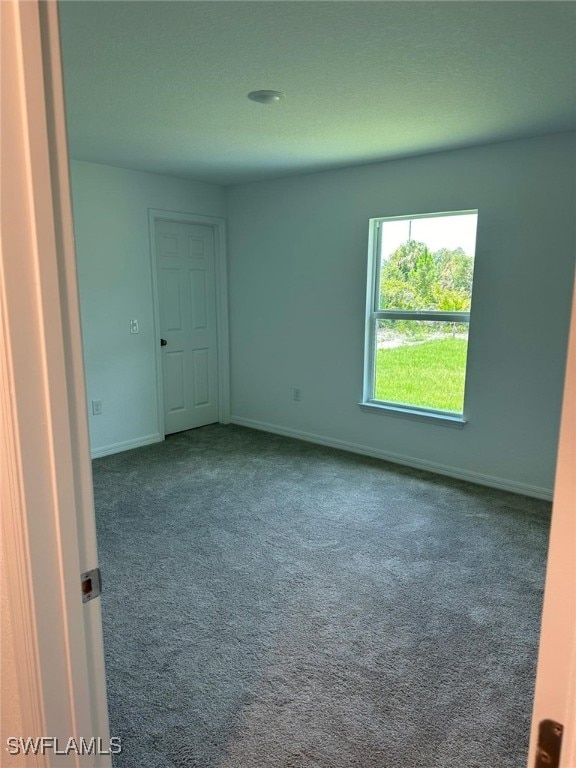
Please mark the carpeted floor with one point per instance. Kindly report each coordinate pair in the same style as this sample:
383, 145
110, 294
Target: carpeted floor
270, 603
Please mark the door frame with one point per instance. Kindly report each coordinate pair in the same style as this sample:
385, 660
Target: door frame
555, 686
222, 322
48, 526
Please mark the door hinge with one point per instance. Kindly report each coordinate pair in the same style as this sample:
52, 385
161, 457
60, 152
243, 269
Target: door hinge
91, 583
549, 744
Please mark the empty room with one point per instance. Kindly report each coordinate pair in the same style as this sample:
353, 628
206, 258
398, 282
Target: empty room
325, 257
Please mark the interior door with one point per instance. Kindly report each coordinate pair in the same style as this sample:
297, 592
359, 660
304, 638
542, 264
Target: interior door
185, 263
553, 739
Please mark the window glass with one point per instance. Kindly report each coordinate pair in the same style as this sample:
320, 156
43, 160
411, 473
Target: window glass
427, 263
421, 363
418, 325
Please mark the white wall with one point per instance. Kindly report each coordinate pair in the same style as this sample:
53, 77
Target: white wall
298, 250
113, 254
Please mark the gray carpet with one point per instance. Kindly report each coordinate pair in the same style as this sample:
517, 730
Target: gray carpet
270, 603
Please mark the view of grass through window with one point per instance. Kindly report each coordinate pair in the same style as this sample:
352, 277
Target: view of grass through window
427, 371
424, 298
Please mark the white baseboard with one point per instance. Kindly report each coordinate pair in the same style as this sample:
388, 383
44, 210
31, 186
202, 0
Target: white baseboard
126, 445
431, 466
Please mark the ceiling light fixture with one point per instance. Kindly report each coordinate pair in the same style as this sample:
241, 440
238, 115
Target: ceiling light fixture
266, 97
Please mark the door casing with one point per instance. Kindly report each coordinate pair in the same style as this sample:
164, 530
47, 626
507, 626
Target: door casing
221, 274
48, 526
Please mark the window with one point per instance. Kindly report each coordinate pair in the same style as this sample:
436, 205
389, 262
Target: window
420, 271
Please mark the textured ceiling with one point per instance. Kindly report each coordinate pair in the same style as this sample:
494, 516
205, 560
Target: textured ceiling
161, 86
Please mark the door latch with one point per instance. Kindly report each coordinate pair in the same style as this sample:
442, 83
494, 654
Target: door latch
91, 583
549, 744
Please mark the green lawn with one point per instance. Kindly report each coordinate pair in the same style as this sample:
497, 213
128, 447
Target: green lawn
429, 374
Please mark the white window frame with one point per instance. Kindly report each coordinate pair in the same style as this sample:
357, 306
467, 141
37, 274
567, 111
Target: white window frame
374, 313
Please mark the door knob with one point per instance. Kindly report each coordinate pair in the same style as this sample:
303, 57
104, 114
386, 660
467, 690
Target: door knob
163, 342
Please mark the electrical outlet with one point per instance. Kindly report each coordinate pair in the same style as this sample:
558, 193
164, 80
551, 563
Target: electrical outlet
297, 394
96, 407
134, 326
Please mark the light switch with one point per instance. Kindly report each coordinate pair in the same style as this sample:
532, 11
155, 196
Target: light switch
134, 326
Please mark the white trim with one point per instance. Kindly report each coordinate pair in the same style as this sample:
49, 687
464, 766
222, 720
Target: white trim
222, 322
374, 313
425, 215
399, 411
83, 537
491, 481
156, 324
369, 351
428, 315
127, 445
14, 539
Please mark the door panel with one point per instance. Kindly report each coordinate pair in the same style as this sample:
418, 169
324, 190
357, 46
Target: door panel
201, 376
171, 300
185, 261
198, 291
174, 389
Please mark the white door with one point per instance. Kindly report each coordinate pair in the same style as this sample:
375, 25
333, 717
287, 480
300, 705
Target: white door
185, 263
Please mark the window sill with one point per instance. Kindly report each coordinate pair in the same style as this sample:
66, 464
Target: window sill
444, 420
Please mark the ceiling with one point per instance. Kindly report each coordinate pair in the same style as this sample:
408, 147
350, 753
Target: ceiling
161, 86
